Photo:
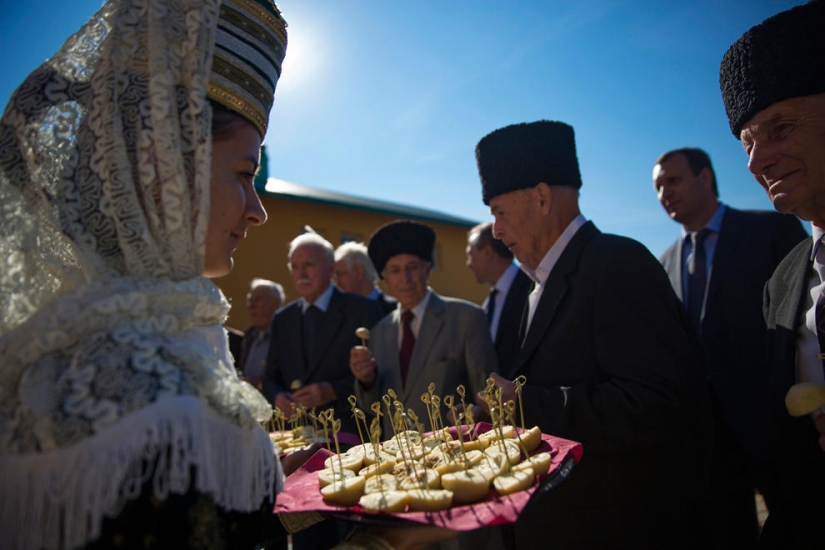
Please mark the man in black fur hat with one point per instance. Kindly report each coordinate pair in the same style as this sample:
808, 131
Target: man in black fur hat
607, 355
773, 86
428, 339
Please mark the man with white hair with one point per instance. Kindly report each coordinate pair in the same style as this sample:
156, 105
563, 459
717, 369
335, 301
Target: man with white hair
263, 300
355, 273
312, 336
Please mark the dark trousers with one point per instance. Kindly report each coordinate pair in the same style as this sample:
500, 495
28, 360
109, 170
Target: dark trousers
733, 470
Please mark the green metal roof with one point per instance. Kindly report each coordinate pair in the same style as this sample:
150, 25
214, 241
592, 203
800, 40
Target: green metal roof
289, 190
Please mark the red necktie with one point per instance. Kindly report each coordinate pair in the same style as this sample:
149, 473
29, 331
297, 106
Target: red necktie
407, 344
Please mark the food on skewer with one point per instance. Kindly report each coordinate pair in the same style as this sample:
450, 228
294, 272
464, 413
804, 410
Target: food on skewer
385, 501
346, 492
430, 500
804, 398
516, 480
467, 485
428, 473
364, 334
329, 475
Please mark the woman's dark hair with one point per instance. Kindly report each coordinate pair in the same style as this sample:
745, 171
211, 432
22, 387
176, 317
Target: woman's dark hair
223, 121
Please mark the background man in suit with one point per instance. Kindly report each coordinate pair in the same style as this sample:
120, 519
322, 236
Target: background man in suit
446, 341
355, 273
723, 298
607, 356
773, 87
262, 301
311, 337
492, 263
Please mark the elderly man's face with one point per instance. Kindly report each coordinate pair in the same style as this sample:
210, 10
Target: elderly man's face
346, 276
786, 146
311, 270
517, 224
407, 276
262, 302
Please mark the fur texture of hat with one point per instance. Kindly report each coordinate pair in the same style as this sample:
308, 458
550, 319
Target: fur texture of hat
779, 59
401, 237
521, 156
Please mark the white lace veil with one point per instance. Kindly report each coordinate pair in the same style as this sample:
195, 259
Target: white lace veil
111, 340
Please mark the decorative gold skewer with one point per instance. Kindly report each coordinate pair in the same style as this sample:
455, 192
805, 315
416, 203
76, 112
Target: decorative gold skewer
322, 418
520, 381
468, 412
510, 411
387, 401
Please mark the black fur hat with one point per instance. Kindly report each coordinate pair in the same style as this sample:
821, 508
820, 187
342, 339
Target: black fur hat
523, 155
779, 59
401, 237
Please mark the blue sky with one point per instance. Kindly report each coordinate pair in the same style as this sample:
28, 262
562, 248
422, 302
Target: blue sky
387, 99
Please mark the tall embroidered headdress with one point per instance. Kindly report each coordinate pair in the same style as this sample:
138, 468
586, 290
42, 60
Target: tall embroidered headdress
111, 340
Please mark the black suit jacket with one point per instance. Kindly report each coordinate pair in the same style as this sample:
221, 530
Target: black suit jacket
609, 362
236, 340
750, 245
330, 362
388, 303
507, 338
795, 519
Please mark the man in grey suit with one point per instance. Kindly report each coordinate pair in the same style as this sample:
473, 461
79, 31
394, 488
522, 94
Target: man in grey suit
446, 340
492, 263
737, 252
773, 87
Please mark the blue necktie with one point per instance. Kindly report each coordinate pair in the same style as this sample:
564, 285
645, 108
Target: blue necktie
697, 279
491, 305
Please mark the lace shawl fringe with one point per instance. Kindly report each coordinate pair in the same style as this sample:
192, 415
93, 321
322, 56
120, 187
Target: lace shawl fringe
59, 499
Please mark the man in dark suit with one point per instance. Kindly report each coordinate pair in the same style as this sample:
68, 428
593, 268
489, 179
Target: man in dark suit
773, 88
492, 263
355, 273
311, 337
739, 251
607, 355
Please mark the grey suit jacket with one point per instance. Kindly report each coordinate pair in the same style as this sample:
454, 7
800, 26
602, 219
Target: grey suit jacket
795, 521
453, 347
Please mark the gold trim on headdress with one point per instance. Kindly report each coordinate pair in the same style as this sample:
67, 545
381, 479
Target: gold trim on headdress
250, 48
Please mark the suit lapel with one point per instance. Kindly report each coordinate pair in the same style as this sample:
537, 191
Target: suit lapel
789, 310
394, 366
555, 289
513, 310
725, 254
677, 267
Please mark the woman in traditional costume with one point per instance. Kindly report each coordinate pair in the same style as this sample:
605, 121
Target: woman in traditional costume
126, 168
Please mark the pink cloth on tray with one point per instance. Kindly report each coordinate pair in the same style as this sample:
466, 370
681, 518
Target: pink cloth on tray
302, 494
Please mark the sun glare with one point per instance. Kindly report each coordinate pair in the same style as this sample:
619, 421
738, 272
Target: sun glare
303, 58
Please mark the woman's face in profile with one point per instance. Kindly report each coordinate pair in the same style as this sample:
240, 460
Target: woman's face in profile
233, 202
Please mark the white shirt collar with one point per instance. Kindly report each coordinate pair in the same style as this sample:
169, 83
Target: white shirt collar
540, 274
322, 302
506, 280
816, 235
